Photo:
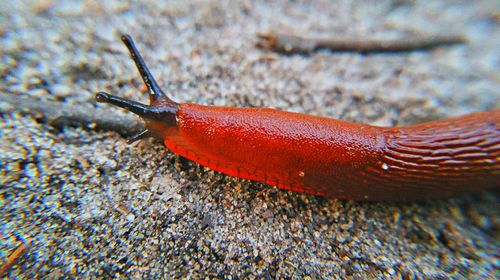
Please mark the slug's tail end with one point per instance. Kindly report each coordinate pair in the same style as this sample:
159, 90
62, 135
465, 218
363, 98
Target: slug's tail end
162, 111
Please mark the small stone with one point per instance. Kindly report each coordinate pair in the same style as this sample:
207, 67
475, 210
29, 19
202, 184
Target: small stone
61, 90
130, 217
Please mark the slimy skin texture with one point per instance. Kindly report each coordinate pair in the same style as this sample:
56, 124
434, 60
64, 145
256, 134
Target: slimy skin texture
339, 159
322, 156
288, 150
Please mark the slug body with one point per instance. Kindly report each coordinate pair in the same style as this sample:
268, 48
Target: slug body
324, 156
341, 159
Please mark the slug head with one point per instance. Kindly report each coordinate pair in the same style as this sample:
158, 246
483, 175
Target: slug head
160, 115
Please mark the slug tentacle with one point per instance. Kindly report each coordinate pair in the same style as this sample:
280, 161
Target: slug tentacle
140, 135
142, 110
160, 115
156, 95
147, 112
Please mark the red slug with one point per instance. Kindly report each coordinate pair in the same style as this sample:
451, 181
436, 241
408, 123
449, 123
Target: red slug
322, 156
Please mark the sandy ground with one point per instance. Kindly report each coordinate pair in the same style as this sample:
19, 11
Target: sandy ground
89, 205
